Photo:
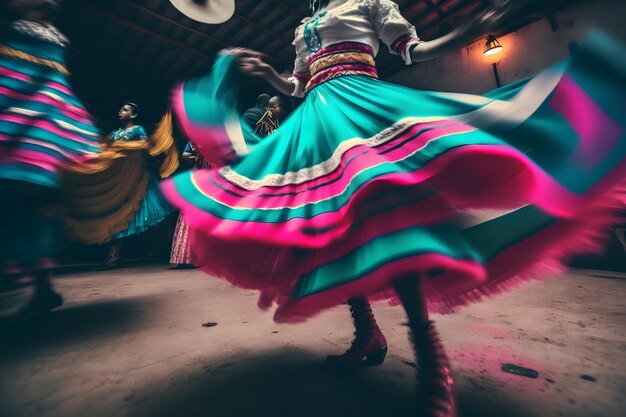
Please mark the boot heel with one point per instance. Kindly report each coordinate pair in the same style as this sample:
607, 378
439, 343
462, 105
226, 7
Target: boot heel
377, 357
369, 342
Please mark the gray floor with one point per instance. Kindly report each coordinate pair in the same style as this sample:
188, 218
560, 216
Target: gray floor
130, 343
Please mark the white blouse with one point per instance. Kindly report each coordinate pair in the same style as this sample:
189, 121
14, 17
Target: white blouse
44, 31
363, 21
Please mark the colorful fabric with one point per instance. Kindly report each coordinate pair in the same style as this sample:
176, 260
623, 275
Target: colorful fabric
102, 197
43, 126
342, 58
267, 124
132, 133
153, 209
362, 22
368, 181
44, 130
181, 248
345, 58
116, 194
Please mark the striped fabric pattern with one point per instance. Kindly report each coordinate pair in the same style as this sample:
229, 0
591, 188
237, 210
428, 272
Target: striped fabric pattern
43, 126
369, 181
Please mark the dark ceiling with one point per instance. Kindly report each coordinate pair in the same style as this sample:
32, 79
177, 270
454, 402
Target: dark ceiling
131, 49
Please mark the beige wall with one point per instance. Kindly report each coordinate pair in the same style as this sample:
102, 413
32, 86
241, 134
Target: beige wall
526, 51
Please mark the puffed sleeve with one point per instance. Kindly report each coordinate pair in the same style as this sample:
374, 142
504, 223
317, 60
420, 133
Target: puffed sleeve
140, 132
393, 29
301, 74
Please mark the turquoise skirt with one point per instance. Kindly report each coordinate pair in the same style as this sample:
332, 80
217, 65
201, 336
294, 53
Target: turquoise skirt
153, 209
369, 181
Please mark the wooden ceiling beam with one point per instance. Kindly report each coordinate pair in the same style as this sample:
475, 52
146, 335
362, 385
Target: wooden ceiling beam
262, 28
453, 13
276, 50
218, 41
293, 10
434, 7
437, 7
173, 22
250, 22
138, 28
442, 15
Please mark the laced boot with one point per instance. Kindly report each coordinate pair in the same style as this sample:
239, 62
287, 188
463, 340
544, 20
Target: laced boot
434, 378
369, 343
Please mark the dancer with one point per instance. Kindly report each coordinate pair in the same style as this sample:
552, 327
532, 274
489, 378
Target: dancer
374, 190
116, 194
153, 208
182, 256
44, 129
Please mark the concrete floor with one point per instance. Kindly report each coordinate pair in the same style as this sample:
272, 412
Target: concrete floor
130, 343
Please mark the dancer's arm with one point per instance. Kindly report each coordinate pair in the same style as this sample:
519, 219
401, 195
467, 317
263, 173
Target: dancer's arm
253, 63
400, 36
462, 35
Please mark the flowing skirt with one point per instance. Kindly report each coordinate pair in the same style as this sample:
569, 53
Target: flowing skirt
369, 181
153, 209
44, 128
181, 244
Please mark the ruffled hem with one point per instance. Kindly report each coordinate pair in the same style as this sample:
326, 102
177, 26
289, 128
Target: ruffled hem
153, 209
276, 270
343, 216
539, 257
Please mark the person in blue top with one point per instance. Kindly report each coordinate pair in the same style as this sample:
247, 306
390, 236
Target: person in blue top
130, 130
153, 207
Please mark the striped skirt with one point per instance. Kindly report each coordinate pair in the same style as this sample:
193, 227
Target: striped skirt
43, 125
44, 128
369, 181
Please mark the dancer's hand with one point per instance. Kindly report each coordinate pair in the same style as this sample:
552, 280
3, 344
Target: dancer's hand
251, 62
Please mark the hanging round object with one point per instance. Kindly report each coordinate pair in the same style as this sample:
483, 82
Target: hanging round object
206, 11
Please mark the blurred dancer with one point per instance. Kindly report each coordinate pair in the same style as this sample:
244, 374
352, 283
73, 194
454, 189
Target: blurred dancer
371, 189
44, 129
182, 255
153, 208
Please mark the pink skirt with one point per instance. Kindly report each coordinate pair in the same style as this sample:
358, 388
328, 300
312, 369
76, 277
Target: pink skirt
181, 249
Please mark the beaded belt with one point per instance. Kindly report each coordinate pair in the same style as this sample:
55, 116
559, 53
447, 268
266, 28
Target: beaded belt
340, 59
